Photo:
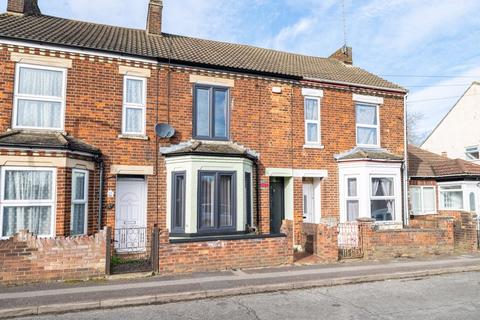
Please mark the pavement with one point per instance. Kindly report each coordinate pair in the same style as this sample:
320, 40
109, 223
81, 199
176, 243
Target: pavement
51, 298
452, 296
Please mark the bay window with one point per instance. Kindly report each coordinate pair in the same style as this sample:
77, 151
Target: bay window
39, 101
382, 199
451, 197
216, 201
312, 121
211, 113
79, 213
178, 202
423, 200
134, 106
27, 201
367, 123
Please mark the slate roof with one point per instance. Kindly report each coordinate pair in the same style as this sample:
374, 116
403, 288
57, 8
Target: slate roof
210, 148
359, 153
425, 164
54, 141
180, 49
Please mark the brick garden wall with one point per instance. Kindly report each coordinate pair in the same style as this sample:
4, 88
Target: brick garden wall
321, 240
25, 258
205, 256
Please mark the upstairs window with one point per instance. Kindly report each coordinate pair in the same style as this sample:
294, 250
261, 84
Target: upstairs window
134, 106
472, 153
211, 113
312, 121
368, 128
39, 101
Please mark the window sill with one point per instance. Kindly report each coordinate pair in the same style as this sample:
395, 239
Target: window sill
313, 146
133, 137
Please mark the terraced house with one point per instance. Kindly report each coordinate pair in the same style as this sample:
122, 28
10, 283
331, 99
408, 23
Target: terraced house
233, 152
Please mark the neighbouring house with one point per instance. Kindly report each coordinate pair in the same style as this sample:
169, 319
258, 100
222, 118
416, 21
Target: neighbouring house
230, 150
438, 183
458, 134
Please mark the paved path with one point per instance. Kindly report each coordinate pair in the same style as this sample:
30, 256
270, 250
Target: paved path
41, 299
441, 297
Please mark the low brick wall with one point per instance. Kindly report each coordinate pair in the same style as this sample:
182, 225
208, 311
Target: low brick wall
25, 258
465, 227
385, 244
202, 256
321, 240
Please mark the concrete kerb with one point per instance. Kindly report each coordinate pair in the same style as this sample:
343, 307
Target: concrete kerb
219, 293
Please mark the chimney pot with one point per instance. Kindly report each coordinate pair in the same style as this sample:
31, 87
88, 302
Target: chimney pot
344, 54
154, 19
23, 7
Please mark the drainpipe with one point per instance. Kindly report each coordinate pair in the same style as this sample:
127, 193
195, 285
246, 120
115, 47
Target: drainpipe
406, 217
100, 197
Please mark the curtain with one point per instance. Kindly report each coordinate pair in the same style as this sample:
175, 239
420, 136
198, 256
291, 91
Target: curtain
352, 187
367, 136
79, 186
134, 91
353, 210
226, 213
366, 115
382, 187
134, 118
207, 198
78, 219
473, 202
312, 132
311, 109
221, 113
43, 114
41, 82
28, 185
428, 200
34, 219
416, 194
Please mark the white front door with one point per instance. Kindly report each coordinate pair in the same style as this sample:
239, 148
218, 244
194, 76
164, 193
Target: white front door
308, 202
130, 215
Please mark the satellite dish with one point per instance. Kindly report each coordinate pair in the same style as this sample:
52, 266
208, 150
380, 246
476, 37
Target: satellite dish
164, 130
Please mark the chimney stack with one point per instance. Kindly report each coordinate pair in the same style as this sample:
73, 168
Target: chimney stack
344, 54
154, 19
23, 7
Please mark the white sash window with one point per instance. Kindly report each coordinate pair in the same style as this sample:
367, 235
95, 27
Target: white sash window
134, 106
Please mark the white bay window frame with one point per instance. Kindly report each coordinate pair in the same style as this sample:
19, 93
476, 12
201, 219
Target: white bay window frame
29, 203
22, 96
137, 106
83, 201
448, 188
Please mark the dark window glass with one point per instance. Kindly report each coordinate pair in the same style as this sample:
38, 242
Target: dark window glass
248, 197
211, 113
216, 201
178, 203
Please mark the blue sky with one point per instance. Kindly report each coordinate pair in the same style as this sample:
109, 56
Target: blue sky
389, 37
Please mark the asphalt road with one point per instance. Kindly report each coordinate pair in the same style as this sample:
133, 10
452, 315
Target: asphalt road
444, 297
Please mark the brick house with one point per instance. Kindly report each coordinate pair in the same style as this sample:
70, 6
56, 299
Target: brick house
260, 137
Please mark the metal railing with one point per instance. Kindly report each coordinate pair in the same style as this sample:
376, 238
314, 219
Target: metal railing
349, 242
130, 240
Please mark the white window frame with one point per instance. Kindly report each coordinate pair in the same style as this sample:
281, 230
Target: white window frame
28, 203
317, 143
142, 106
83, 201
468, 150
422, 188
443, 190
352, 198
369, 126
18, 96
392, 197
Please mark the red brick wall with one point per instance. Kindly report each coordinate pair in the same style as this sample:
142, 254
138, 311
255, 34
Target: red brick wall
26, 258
271, 124
204, 256
321, 240
386, 244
